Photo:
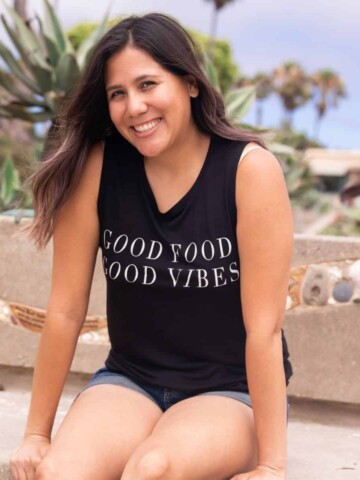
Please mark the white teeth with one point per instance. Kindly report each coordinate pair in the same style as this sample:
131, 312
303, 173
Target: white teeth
147, 126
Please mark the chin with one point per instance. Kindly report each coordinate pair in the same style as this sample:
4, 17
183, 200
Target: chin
149, 150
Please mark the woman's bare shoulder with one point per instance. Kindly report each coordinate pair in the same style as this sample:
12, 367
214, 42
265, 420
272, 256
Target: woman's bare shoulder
265, 232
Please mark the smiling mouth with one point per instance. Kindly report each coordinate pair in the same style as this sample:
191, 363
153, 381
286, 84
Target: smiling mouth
146, 127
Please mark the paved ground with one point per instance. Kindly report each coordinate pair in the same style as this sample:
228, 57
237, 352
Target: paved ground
323, 438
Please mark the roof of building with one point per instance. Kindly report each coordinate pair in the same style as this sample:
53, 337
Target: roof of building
337, 163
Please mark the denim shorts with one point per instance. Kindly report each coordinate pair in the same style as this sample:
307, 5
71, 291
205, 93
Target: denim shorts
164, 397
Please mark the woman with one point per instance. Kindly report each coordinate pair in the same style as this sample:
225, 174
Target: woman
144, 164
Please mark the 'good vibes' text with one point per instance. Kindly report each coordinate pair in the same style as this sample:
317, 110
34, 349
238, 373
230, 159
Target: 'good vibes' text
154, 254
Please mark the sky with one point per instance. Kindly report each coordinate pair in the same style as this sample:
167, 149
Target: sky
264, 34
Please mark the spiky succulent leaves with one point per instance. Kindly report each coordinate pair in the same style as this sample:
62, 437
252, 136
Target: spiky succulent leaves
9, 181
238, 103
87, 45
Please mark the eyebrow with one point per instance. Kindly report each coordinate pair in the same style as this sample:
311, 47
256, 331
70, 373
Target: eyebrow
137, 79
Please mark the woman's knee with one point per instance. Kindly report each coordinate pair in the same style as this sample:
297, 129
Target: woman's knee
151, 464
100, 444
57, 468
47, 469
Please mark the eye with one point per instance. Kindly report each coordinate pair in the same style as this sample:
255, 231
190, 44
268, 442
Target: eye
147, 84
116, 93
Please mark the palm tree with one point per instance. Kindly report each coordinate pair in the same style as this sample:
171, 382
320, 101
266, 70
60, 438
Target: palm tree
293, 86
326, 84
218, 5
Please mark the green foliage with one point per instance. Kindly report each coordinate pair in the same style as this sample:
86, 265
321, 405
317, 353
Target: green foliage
299, 179
302, 184
44, 68
18, 160
348, 223
222, 59
238, 101
80, 32
298, 140
10, 186
10, 182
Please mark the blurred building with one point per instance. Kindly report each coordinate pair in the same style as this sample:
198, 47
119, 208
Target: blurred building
335, 169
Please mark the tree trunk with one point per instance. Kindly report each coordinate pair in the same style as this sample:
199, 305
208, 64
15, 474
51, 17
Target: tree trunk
213, 28
317, 127
259, 113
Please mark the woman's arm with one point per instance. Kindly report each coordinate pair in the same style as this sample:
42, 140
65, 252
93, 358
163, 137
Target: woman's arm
265, 242
75, 246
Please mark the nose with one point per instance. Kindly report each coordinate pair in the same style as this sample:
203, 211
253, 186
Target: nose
135, 104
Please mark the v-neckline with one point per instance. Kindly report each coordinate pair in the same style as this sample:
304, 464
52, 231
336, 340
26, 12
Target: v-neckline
177, 206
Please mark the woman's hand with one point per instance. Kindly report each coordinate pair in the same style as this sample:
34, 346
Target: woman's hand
262, 472
28, 455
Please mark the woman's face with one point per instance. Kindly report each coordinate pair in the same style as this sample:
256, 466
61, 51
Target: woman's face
148, 105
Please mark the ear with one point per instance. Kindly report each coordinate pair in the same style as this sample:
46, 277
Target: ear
192, 86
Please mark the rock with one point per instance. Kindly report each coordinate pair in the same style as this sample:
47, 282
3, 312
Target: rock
315, 288
288, 303
353, 272
335, 273
343, 291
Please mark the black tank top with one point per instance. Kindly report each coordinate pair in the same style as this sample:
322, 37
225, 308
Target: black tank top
173, 292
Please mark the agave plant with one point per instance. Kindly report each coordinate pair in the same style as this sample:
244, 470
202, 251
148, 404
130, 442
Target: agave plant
238, 101
10, 186
45, 68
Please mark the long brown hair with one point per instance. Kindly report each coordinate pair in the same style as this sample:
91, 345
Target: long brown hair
84, 118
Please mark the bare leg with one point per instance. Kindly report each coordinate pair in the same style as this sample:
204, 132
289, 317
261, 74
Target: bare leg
99, 433
199, 438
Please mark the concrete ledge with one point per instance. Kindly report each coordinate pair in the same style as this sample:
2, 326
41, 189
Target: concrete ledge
25, 274
324, 351
324, 248
19, 346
